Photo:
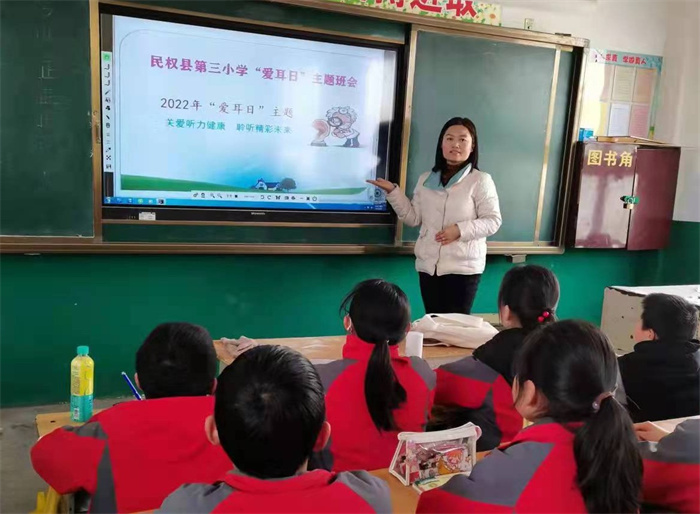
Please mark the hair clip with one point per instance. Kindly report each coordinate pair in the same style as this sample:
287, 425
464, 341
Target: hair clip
544, 316
600, 398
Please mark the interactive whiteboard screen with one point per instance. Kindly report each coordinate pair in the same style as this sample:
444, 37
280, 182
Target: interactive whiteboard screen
195, 116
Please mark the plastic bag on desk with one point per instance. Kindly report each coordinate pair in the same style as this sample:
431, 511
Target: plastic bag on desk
455, 329
426, 455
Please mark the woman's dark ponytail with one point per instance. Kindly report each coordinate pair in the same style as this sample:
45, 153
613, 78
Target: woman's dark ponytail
383, 392
380, 315
609, 467
573, 365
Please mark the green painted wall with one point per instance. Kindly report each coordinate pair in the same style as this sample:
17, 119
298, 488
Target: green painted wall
52, 303
679, 263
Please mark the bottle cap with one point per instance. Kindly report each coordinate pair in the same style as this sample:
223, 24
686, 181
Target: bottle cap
83, 350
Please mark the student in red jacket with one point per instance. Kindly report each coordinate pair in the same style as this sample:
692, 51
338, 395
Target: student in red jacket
671, 466
131, 456
580, 455
478, 388
269, 416
372, 394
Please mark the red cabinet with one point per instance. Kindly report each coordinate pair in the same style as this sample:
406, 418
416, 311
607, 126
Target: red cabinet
622, 196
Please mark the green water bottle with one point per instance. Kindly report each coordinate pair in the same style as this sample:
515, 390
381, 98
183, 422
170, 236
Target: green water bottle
82, 385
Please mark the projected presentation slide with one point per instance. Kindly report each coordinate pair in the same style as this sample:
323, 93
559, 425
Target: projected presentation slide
207, 117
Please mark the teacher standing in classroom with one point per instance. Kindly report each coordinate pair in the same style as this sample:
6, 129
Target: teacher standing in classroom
456, 206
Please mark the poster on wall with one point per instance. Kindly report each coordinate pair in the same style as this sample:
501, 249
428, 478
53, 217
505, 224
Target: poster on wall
461, 10
620, 95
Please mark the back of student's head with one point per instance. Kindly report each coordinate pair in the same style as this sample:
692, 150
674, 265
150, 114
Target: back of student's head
269, 410
670, 317
572, 364
177, 359
531, 293
380, 315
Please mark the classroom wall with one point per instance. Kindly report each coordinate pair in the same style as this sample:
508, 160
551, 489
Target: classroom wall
669, 29
626, 25
53, 303
678, 121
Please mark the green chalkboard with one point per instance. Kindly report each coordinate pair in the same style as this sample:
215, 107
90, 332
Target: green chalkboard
505, 89
45, 156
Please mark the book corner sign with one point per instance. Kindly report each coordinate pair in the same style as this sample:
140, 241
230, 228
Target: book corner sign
461, 10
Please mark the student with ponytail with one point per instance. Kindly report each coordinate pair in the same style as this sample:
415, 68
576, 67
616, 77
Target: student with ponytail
373, 393
478, 388
580, 455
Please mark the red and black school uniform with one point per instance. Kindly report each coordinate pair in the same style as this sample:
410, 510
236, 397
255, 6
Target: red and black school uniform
662, 379
130, 457
355, 441
672, 469
478, 389
316, 491
535, 473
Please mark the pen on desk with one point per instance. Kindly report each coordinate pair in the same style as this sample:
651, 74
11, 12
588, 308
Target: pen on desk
131, 386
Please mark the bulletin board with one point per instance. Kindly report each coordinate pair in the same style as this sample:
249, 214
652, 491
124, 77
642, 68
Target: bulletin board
621, 93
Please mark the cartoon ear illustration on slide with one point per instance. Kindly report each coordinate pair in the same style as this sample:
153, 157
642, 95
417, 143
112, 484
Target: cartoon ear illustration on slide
323, 129
339, 121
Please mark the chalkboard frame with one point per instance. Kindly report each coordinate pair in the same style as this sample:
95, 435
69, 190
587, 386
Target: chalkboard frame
536, 245
414, 24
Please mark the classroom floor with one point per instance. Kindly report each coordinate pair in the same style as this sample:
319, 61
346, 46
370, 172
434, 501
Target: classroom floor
18, 482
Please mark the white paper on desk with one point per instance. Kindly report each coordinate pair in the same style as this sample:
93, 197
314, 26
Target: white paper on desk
455, 329
619, 123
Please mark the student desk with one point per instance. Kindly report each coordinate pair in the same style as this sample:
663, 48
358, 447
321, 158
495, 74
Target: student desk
670, 424
622, 308
403, 499
47, 423
320, 350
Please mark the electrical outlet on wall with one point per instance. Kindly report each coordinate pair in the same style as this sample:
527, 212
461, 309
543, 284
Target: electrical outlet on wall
529, 22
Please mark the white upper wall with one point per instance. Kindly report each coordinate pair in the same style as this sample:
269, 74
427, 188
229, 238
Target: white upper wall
678, 120
626, 25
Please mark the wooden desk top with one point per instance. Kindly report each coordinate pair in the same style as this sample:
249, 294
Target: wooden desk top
326, 349
404, 499
47, 423
670, 424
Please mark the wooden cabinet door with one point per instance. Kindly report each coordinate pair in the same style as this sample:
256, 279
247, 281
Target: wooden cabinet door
602, 220
656, 176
